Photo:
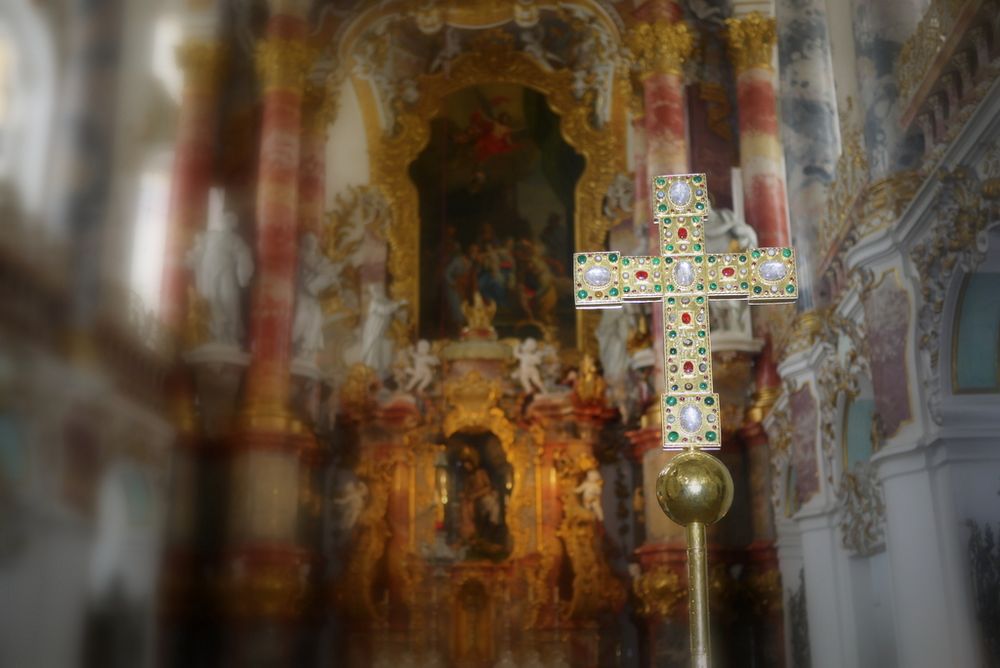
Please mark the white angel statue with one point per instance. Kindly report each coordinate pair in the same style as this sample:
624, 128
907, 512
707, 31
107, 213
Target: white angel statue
421, 370
529, 358
590, 489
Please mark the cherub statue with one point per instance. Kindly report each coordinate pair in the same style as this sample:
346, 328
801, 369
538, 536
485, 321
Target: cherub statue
590, 489
222, 265
316, 274
351, 502
529, 358
421, 371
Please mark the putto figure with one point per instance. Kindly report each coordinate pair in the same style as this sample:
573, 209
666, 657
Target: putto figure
222, 264
421, 370
529, 358
590, 491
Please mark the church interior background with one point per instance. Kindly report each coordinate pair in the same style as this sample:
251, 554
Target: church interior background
291, 374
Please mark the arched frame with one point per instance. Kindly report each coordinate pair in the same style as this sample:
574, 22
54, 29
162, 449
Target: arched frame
493, 59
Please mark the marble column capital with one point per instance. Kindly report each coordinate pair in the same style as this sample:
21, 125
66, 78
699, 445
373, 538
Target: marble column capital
202, 61
752, 39
283, 63
661, 47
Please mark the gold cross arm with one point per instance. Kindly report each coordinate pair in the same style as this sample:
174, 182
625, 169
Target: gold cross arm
683, 278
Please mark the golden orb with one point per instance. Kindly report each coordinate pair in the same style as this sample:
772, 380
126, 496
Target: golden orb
695, 487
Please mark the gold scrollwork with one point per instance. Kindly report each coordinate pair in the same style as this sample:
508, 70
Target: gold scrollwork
661, 47
751, 41
660, 592
491, 58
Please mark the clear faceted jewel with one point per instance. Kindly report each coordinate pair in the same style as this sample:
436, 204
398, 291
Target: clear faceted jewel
679, 193
690, 419
597, 276
773, 270
684, 273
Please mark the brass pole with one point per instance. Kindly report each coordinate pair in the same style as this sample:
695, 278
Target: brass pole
695, 489
701, 655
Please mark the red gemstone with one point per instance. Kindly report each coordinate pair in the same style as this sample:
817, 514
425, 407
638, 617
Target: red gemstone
688, 367
728, 271
686, 318
641, 275
682, 233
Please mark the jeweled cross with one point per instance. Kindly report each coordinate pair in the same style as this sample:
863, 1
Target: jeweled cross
684, 278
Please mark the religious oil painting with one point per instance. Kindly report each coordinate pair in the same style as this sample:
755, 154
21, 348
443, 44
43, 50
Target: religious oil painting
480, 483
497, 183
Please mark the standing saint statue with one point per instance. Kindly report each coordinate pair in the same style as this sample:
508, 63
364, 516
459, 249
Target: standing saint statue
316, 274
222, 264
376, 347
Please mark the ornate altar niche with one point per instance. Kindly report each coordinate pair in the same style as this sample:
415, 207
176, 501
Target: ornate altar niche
473, 540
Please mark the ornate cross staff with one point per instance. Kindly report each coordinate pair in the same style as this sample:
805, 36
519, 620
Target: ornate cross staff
694, 489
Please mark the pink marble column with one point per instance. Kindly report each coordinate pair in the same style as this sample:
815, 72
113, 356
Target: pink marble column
283, 60
751, 44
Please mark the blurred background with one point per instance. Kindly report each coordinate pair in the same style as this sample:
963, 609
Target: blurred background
291, 371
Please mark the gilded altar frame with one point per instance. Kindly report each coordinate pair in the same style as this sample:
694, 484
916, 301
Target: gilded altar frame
493, 58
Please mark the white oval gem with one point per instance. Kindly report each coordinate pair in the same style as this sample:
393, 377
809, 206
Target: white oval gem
773, 270
690, 419
597, 276
684, 273
679, 193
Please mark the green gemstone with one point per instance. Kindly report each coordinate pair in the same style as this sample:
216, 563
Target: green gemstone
756, 289
670, 287
582, 294
673, 351
700, 300
627, 289
711, 259
658, 287
698, 258
582, 259
787, 252
697, 247
666, 221
672, 334
661, 207
670, 260
671, 300
673, 436
710, 435
656, 261
699, 206
625, 261
612, 257
702, 386
613, 292
702, 351
712, 286
660, 181
701, 333
709, 401
743, 285
701, 286
670, 247
755, 254
697, 179
789, 288
743, 258
671, 401
695, 219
